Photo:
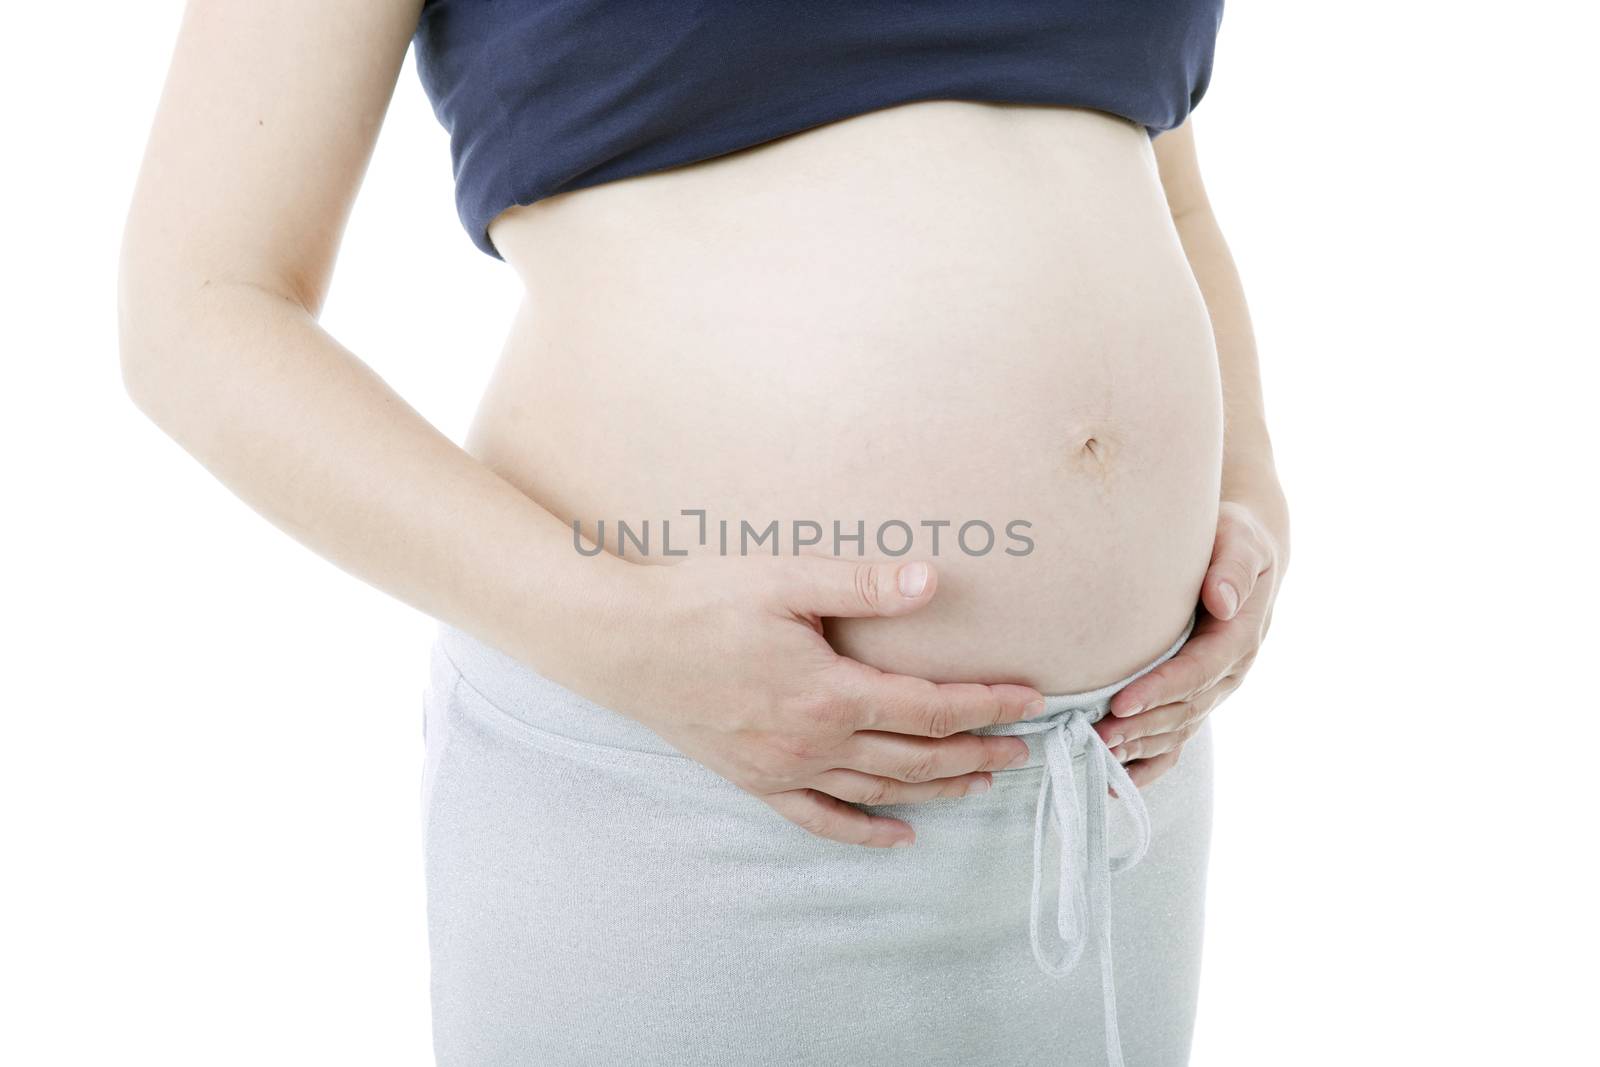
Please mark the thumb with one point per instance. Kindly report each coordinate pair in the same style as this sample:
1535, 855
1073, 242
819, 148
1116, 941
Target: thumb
848, 589
1237, 560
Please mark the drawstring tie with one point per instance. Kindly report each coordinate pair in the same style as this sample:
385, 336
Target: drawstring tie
1082, 902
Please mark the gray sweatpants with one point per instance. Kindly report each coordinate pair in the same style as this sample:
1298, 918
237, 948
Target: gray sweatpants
594, 897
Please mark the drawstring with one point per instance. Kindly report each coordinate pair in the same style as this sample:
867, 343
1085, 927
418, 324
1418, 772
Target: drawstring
1082, 904
1083, 894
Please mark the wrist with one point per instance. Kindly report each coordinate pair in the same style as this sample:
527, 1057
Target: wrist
577, 621
1261, 494
639, 634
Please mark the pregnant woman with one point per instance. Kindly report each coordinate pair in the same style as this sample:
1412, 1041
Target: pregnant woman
877, 459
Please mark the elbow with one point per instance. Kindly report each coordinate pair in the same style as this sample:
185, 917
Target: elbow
156, 325
139, 302
136, 348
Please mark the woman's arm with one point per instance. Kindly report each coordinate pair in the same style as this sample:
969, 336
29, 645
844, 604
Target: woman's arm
1248, 472
1152, 718
263, 134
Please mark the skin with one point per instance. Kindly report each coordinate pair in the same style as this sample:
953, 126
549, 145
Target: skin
909, 315
220, 288
1152, 718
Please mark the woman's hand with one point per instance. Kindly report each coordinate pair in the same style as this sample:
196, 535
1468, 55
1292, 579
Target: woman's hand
730, 666
1152, 718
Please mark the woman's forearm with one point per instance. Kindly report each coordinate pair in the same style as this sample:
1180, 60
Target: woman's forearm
306, 434
1249, 472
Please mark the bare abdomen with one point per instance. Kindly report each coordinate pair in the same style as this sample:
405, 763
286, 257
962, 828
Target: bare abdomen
929, 318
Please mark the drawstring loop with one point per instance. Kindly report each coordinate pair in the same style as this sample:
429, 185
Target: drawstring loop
1083, 890
1085, 867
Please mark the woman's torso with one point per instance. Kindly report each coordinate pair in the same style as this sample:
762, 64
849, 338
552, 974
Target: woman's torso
941, 312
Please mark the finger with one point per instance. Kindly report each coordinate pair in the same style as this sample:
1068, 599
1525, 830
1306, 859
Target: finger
836, 588
1168, 717
829, 817
874, 790
1155, 744
1145, 771
907, 705
1211, 652
1238, 557
921, 759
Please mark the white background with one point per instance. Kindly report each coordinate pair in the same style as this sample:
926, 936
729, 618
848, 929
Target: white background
213, 739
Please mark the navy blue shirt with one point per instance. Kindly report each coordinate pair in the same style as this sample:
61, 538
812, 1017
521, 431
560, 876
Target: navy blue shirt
544, 96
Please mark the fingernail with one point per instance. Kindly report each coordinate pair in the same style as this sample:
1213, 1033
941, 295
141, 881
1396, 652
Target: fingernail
978, 786
1032, 708
1018, 760
1114, 740
1131, 709
1230, 599
913, 579
901, 842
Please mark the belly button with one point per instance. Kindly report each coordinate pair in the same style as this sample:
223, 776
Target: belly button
1097, 448
1093, 455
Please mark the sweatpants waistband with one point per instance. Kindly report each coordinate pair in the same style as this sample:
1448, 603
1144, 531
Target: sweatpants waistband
519, 691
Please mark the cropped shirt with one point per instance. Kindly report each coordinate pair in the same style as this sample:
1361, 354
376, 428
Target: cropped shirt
546, 96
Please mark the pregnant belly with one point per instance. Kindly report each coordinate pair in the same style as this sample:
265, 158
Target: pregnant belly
948, 331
